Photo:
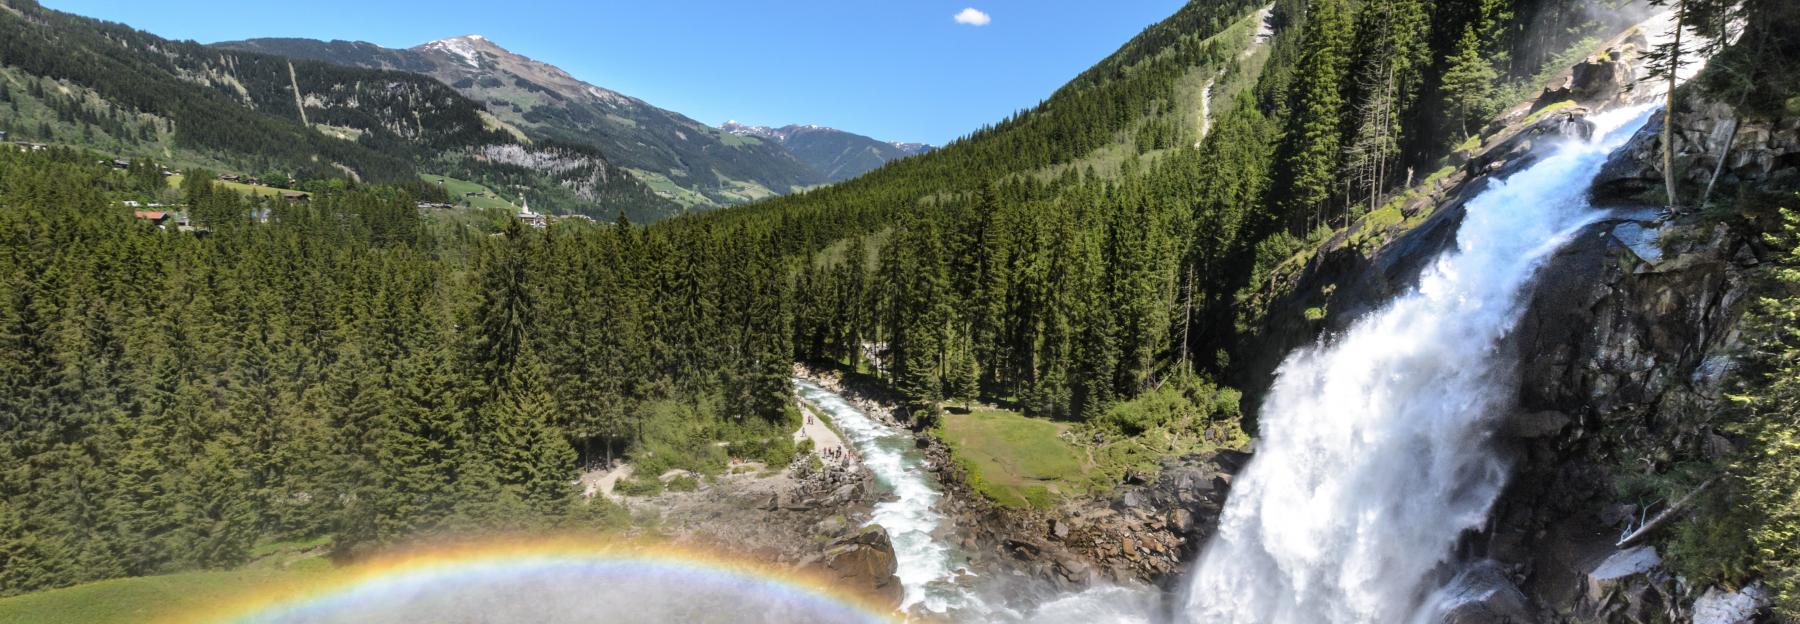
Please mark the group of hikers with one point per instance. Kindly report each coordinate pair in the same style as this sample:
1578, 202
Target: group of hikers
834, 454
839, 454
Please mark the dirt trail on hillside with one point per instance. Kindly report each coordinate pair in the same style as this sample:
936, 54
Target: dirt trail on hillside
1265, 31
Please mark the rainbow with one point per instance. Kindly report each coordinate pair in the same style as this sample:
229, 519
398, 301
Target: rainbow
547, 580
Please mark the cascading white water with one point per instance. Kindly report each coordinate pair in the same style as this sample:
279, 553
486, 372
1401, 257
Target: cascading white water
926, 564
1376, 453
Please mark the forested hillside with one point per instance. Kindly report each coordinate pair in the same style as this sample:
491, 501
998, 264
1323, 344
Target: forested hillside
693, 164
348, 369
168, 401
74, 80
835, 154
1067, 274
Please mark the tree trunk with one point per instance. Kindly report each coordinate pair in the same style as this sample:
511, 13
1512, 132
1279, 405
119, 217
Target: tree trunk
1663, 519
1668, 138
1187, 313
1719, 167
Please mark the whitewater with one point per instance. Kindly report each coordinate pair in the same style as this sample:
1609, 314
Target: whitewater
1377, 452
927, 566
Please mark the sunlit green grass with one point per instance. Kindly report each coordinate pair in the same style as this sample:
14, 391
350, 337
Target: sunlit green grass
459, 188
150, 598
1016, 460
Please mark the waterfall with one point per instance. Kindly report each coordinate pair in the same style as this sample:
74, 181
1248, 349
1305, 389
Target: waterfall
1377, 451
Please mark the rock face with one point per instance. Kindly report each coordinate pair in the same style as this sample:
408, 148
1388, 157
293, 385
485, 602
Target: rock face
1718, 606
1628, 586
1760, 154
1148, 531
862, 562
1623, 350
1483, 594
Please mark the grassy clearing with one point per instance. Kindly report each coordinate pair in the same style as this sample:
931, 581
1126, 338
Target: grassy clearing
339, 132
668, 189
144, 599
1016, 460
242, 189
1549, 110
737, 140
459, 190
1468, 145
170, 597
1432, 180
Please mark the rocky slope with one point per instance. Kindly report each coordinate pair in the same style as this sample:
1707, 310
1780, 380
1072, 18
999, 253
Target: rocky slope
806, 519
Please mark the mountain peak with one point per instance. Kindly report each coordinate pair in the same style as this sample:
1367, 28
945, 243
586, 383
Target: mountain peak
466, 48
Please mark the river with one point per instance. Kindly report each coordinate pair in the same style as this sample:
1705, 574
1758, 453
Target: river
1376, 454
927, 563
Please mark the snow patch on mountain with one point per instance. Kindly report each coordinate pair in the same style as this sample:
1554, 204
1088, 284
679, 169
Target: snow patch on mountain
460, 47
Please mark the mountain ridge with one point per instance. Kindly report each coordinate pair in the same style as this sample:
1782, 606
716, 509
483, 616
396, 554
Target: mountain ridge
839, 155
684, 160
79, 80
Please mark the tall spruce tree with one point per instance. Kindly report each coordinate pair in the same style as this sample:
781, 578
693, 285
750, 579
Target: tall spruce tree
1314, 133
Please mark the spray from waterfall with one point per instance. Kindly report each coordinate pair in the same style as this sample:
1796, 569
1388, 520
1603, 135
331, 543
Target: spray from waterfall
1377, 453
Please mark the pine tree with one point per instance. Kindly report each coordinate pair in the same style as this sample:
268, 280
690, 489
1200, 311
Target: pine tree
1768, 473
503, 311
530, 455
963, 377
1468, 83
1314, 136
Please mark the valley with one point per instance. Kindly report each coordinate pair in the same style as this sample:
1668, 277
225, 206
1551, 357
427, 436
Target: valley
686, 162
1291, 312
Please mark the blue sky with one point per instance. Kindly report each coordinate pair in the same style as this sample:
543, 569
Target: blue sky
898, 70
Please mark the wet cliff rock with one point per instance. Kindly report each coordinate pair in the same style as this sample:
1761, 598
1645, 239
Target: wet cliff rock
1715, 148
1148, 531
1623, 350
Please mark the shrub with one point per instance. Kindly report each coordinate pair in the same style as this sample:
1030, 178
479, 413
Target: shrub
639, 486
683, 483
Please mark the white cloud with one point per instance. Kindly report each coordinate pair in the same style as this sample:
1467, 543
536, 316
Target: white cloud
973, 17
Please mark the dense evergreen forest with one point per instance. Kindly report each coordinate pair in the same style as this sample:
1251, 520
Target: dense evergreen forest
1069, 292
351, 369
170, 400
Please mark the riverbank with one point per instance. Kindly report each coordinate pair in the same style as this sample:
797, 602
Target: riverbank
812, 514
1140, 531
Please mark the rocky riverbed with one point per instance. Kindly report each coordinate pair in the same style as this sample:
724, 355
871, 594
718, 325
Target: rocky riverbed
802, 516
1142, 532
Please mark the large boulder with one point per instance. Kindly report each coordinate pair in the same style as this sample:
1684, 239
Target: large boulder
1482, 594
1718, 606
1630, 585
863, 563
